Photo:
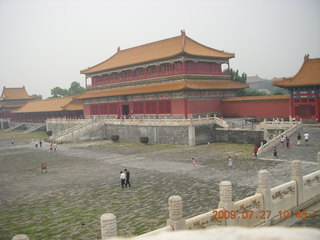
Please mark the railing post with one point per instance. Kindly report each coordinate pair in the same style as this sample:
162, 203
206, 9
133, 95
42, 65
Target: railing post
264, 189
318, 156
175, 213
108, 226
225, 189
297, 176
20, 237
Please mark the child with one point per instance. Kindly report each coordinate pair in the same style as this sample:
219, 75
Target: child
255, 150
275, 152
230, 164
194, 162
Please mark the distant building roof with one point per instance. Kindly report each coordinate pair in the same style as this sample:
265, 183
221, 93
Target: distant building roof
51, 105
256, 98
308, 75
162, 49
14, 94
163, 87
252, 79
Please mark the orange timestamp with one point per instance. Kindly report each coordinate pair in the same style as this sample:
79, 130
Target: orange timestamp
257, 214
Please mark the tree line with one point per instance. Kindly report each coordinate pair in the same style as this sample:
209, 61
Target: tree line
57, 92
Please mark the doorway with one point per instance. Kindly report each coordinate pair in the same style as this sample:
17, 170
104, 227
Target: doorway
125, 110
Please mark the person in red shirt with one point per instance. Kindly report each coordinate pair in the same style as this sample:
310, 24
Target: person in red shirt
255, 150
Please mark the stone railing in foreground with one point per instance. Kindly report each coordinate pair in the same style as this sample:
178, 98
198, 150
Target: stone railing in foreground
268, 206
276, 140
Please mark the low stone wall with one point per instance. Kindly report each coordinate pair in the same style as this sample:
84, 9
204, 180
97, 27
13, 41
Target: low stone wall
177, 135
242, 136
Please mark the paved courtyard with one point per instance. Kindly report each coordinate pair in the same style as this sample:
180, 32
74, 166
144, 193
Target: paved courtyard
83, 182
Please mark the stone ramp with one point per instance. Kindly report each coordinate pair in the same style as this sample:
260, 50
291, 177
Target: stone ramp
304, 152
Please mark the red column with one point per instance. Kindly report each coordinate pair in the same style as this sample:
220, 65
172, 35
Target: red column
292, 111
317, 106
185, 108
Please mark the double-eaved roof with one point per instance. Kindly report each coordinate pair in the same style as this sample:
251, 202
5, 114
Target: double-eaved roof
51, 105
308, 75
163, 87
163, 49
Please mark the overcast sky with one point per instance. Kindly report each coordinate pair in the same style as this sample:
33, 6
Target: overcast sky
44, 44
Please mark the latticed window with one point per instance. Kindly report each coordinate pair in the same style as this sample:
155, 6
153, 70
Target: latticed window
164, 106
151, 107
138, 108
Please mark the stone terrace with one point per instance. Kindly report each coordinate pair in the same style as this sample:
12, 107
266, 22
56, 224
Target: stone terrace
82, 183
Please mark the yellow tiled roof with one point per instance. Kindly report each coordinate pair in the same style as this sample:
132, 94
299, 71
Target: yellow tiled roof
308, 75
256, 98
49, 105
15, 93
163, 87
157, 50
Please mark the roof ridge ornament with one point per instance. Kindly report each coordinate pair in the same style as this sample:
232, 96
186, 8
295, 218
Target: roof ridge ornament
118, 49
183, 35
306, 57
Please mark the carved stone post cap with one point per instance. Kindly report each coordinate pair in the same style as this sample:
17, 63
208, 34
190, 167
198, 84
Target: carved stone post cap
225, 183
175, 198
263, 171
20, 237
108, 217
296, 162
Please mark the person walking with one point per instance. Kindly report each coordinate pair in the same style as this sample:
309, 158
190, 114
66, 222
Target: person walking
230, 163
51, 147
298, 139
122, 179
12, 141
194, 163
287, 142
282, 140
275, 152
255, 150
40, 143
127, 173
306, 137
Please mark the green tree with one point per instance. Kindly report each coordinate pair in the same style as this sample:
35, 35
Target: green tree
280, 91
75, 88
58, 92
235, 75
251, 92
37, 96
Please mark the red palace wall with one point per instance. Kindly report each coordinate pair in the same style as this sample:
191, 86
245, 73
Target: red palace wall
263, 109
204, 105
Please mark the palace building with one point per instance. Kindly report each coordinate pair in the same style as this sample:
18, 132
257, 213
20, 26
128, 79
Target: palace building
175, 77
304, 90
12, 99
41, 110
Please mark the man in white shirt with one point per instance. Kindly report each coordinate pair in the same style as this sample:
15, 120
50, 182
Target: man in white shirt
122, 178
306, 137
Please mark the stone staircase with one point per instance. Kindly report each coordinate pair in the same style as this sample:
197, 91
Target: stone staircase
13, 127
78, 132
35, 128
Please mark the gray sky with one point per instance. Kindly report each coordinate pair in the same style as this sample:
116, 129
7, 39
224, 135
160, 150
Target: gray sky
44, 44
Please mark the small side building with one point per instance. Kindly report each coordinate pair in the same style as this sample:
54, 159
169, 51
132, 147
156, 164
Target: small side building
304, 90
41, 110
12, 99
